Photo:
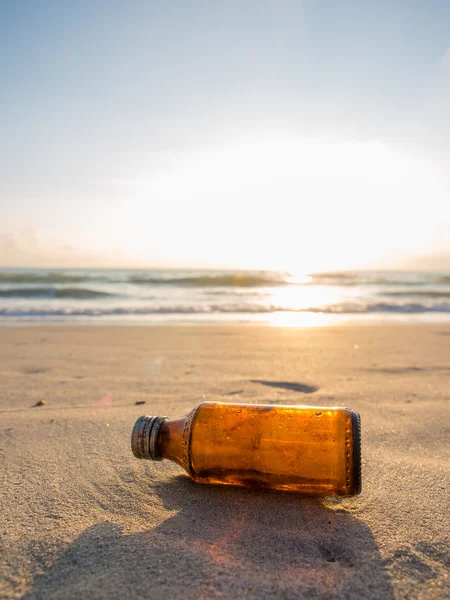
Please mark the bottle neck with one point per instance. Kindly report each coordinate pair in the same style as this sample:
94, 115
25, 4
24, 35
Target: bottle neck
172, 439
155, 438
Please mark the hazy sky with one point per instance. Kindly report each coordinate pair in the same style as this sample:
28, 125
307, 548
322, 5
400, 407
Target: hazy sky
286, 134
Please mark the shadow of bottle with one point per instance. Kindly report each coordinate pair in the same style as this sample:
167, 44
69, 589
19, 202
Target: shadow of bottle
224, 543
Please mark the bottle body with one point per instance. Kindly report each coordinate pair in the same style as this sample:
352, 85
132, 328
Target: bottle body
309, 450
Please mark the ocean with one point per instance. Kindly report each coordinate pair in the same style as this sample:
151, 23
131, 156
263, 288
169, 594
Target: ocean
93, 295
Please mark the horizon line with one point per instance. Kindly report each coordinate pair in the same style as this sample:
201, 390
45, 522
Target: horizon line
246, 269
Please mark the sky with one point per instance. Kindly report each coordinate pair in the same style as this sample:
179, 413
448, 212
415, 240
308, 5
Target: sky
267, 134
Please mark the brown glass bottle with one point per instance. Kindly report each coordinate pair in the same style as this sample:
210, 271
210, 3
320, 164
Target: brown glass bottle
309, 450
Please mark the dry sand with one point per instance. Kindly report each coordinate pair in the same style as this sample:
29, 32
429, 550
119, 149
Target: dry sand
82, 518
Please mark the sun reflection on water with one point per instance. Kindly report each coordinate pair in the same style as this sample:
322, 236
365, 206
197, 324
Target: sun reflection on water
301, 298
304, 297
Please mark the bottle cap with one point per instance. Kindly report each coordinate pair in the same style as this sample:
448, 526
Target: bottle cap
144, 437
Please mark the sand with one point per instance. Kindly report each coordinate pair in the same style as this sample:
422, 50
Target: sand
82, 518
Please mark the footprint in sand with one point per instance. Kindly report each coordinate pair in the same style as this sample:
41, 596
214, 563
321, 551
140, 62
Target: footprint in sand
294, 386
35, 370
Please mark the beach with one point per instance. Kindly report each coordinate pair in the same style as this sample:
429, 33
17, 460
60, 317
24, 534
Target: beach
82, 518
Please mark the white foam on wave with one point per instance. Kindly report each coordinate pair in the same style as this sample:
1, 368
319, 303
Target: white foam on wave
381, 307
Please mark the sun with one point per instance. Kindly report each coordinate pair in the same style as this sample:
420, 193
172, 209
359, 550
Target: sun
294, 204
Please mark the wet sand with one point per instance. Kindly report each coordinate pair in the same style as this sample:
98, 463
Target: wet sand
82, 518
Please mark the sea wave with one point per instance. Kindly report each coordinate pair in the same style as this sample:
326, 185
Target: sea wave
232, 279
380, 278
338, 309
49, 293
419, 294
268, 279
223, 280
7, 277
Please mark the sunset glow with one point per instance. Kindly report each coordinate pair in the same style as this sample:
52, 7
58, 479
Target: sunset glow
220, 136
281, 203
